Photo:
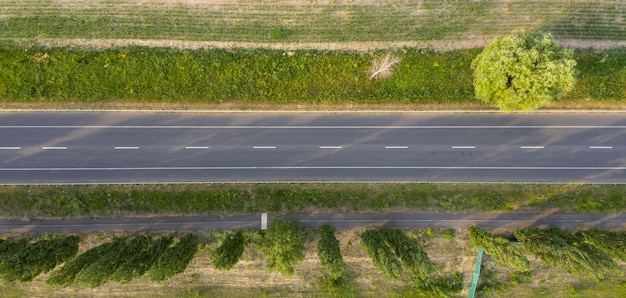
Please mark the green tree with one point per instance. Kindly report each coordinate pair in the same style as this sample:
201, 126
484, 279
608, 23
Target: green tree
66, 275
329, 253
410, 252
228, 253
282, 246
175, 259
523, 71
614, 243
381, 254
557, 249
101, 271
138, 264
39, 257
500, 249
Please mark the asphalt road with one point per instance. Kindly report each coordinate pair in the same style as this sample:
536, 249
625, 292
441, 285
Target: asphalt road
163, 148
375, 220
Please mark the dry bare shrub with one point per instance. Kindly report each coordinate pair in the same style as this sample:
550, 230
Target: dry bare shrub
382, 67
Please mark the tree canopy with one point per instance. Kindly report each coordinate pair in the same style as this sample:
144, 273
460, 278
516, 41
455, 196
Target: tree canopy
282, 246
523, 71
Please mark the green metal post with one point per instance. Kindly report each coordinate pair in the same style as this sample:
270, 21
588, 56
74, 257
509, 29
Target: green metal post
479, 260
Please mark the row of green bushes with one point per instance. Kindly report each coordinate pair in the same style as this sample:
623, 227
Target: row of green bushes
121, 260
266, 76
590, 254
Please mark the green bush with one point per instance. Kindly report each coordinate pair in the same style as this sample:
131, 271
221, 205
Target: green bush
329, 253
39, 257
66, 275
141, 262
120, 252
613, 243
556, 248
228, 253
381, 254
500, 249
175, 259
282, 246
10, 247
410, 252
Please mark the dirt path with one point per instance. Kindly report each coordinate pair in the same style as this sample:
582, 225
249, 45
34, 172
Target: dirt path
389, 220
437, 45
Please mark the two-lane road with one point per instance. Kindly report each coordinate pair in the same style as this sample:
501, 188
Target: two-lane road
137, 148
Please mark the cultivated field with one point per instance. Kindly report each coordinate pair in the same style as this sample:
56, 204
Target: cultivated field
323, 24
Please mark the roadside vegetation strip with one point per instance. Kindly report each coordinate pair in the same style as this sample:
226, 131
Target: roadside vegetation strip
260, 77
121, 200
304, 21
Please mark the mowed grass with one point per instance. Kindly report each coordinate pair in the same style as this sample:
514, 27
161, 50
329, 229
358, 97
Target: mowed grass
122, 200
156, 75
306, 21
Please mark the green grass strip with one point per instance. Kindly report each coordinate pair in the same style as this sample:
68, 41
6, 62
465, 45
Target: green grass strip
69, 201
266, 76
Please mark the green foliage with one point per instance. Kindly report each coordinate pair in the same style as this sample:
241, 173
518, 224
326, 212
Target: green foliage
120, 252
448, 234
329, 253
381, 254
410, 252
141, 261
175, 259
443, 287
66, 275
500, 249
613, 243
598, 258
557, 248
111, 200
39, 257
282, 246
228, 253
10, 247
523, 71
339, 288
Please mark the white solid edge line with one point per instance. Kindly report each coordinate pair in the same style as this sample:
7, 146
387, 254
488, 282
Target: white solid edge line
532, 147
330, 147
10, 148
263, 147
126, 148
197, 147
320, 126
463, 147
53, 148
600, 147
313, 168
396, 147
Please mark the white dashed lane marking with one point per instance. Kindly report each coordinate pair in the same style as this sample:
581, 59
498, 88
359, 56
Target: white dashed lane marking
126, 148
330, 147
532, 147
197, 147
10, 148
463, 147
264, 147
396, 147
53, 148
600, 147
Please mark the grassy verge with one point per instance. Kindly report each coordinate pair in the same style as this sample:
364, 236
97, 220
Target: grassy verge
265, 77
71, 201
